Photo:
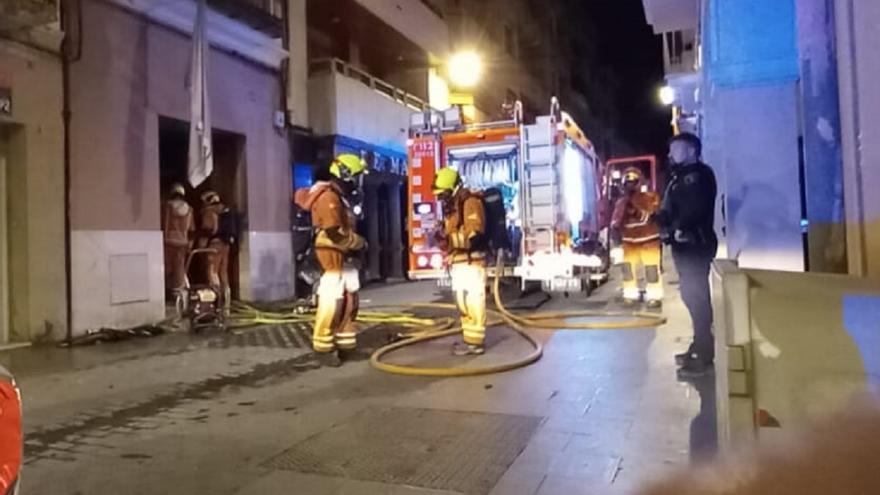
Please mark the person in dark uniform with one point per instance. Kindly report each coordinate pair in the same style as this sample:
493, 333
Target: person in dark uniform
686, 220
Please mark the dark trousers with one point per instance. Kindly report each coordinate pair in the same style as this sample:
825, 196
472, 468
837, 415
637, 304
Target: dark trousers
693, 274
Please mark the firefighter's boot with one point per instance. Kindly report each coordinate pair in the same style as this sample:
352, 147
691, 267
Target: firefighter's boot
462, 349
329, 359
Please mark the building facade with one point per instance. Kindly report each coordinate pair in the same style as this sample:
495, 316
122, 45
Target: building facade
33, 298
782, 93
372, 64
532, 52
129, 120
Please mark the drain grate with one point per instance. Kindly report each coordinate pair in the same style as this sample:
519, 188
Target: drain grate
293, 335
463, 452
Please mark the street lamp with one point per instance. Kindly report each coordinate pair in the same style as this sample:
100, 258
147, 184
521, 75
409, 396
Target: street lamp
465, 69
667, 95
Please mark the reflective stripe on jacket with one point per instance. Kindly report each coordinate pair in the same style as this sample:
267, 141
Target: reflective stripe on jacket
632, 217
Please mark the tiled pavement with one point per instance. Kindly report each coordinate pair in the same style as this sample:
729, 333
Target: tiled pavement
206, 415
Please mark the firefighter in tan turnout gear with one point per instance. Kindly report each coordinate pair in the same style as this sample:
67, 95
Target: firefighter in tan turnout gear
640, 238
335, 242
464, 240
217, 265
178, 229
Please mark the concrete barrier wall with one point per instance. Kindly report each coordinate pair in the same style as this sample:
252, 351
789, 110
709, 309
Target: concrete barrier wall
792, 348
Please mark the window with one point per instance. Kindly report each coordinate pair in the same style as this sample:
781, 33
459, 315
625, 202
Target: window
675, 46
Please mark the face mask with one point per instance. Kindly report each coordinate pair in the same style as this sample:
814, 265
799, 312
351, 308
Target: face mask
349, 187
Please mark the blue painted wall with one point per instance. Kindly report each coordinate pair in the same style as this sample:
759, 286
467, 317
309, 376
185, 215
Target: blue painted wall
861, 318
751, 128
823, 160
749, 42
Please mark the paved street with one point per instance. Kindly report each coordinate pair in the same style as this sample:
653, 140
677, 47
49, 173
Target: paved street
254, 414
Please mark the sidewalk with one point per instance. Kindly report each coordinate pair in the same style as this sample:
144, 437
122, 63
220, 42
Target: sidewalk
252, 414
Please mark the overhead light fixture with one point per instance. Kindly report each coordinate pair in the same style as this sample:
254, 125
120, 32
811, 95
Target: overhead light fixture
667, 95
465, 69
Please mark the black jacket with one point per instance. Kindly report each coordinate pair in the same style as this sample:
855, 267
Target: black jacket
689, 206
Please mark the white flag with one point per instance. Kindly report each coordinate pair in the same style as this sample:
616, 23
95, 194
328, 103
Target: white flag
201, 157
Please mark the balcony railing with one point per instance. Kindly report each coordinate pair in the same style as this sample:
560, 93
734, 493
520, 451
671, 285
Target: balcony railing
266, 16
325, 66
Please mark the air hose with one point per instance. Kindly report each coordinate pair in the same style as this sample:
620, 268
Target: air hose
246, 315
545, 320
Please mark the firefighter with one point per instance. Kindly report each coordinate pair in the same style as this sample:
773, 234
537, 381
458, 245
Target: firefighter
214, 236
463, 237
178, 227
639, 237
687, 219
335, 244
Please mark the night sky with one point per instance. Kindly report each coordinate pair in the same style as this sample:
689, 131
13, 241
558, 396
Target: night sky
628, 47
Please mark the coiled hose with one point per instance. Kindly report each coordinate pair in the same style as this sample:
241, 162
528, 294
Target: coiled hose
432, 329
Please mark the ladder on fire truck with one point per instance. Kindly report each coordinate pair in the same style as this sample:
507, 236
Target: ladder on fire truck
540, 190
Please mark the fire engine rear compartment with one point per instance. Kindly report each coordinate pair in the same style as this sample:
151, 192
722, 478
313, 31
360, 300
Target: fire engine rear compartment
550, 183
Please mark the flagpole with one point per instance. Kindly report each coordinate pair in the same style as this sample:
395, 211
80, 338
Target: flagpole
200, 160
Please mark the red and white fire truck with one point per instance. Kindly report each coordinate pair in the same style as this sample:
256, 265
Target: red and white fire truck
551, 182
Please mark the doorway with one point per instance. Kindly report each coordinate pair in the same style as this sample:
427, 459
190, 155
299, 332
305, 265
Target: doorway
385, 223
228, 178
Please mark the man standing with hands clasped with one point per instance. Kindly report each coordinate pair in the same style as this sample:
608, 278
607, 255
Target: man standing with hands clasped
686, 220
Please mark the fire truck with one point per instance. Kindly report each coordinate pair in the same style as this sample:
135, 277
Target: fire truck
551, 182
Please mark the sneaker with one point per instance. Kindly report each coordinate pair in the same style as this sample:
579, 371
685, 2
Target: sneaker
694, 368
329, 359
653, 304
468, 350
630, 303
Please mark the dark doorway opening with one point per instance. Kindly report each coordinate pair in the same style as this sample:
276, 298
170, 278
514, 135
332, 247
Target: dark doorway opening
385, 222
228, 179
403, 260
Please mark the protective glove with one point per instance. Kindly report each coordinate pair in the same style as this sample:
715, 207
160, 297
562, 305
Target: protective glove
616, 255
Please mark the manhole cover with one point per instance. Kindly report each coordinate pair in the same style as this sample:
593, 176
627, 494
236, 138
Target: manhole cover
463, 452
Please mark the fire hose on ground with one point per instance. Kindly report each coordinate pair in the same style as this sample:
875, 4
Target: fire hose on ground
437, 328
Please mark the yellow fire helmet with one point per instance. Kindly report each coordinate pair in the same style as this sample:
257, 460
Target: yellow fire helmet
210, 197
446, 180
347, 166
632, 175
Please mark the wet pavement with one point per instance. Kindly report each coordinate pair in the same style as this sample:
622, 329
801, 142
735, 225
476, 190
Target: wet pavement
254, 413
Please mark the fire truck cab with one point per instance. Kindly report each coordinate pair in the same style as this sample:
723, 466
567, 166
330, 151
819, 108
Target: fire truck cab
550, 180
